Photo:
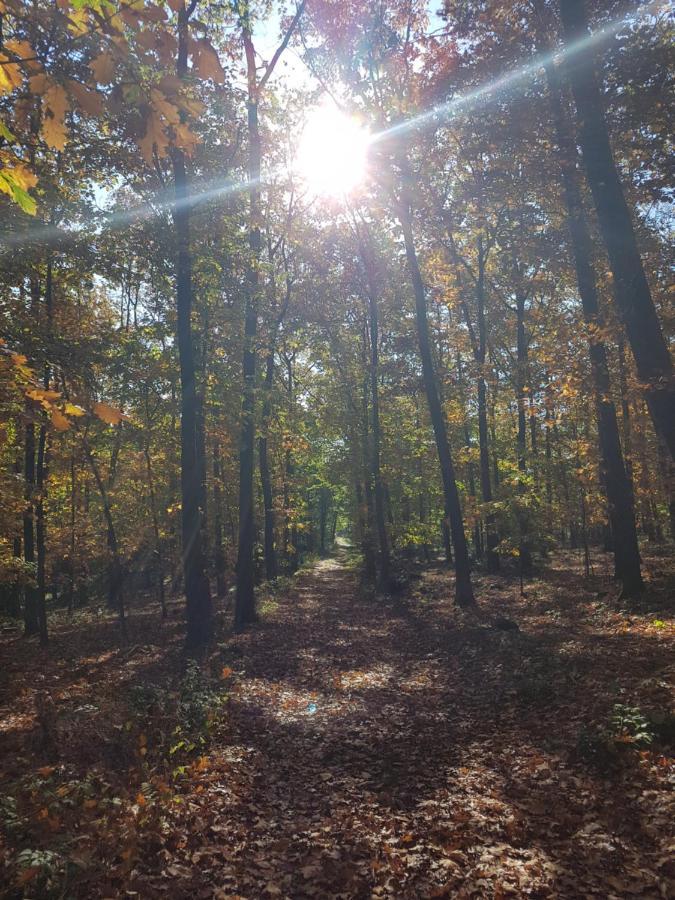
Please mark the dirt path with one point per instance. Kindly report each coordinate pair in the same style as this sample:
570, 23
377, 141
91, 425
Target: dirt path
378, 749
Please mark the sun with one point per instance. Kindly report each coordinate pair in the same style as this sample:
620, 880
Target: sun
332, 153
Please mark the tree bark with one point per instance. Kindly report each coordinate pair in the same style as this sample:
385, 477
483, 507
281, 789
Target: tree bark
384, 564
197, 590
31, 624
631, 288
265, 474
613, 473
453, 511
218, 551
524, 551
245, 608
115, 568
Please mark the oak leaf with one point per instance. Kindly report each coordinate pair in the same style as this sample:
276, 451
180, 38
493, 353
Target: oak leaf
11, 74
205, 61
103, 68
25, 52
87, 98
155, 136
53, 123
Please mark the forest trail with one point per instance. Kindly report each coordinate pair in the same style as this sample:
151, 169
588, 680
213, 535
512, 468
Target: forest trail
378, 749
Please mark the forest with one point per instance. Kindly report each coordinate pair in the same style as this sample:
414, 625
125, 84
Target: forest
337, 449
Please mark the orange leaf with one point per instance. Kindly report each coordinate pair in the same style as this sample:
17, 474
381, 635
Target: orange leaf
53, 122
205, 61
103, 68
59, 421
155, 136
109, 414
88, 99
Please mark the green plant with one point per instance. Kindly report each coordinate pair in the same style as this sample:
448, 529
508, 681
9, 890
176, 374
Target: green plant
41, 869
629, 725
200, 702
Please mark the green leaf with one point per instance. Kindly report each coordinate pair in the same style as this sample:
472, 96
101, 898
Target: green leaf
6, 133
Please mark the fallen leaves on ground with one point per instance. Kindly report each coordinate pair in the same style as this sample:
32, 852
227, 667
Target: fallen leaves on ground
370, 748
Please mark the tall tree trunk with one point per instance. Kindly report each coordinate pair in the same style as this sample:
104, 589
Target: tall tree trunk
613, 473
197, 590
384, 567
31, 624
492, 538
159, 555
218, 551
245, 610
631, 288
41, 532
265, 474
115, 568
524, 551
41, 478
453, 511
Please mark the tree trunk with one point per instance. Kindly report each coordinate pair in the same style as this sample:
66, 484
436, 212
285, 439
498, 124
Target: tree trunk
115, 568
631, 289
453, 511
384, 568
218, 553
613, 474
492, 538
31, 624
159, 556
524, 552
197, 591
244, 610
265, 475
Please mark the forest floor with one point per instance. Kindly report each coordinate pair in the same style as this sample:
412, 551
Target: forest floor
351, 747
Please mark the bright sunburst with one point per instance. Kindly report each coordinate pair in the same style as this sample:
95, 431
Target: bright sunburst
333, 152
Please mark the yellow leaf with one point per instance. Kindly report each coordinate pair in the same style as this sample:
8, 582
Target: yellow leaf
227, 671
23, 176
59, 421
42, 395
71, 410
205, 61
103, 68
11, 74
140, 799
109, 414
166, 110
53, 122
77, 20
185, 139
18, 359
